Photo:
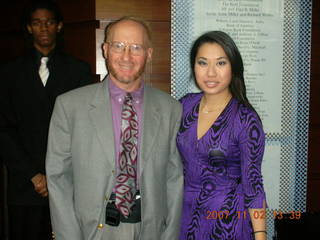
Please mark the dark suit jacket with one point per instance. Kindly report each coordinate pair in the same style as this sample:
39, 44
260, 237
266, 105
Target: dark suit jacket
25, 112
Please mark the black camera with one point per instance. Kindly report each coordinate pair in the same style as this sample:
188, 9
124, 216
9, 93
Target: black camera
114, 217
112, 214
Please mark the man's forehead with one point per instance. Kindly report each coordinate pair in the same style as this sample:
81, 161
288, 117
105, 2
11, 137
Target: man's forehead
42, 18
127, 27
41, 13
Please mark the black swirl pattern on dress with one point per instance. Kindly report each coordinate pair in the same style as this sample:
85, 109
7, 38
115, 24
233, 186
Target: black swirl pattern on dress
255, 142
189, 117
223, 229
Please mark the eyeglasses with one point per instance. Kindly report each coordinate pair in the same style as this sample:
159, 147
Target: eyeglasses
119, 47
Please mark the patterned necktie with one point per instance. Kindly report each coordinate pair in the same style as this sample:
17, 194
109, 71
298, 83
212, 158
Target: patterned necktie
43, 70
127, 161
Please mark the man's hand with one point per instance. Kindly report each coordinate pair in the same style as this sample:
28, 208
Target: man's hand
40, 184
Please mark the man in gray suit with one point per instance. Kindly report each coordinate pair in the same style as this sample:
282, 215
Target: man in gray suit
94, 179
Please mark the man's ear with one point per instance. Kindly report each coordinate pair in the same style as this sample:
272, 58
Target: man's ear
60, 25
149, 54
105, 47
29, 29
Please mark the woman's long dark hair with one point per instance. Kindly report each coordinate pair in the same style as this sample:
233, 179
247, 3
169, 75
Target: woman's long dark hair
237, 86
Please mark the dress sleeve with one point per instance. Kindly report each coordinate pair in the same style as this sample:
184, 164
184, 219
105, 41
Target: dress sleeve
251, 143
184, 98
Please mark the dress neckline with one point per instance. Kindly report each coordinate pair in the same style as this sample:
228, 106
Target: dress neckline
217, 119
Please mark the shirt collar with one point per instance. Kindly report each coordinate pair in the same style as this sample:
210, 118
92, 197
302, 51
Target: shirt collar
39, 55
118, 94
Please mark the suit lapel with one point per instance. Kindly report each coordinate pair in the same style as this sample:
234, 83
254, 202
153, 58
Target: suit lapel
31, 82
59, 75
100, 114
151, 123
58, 72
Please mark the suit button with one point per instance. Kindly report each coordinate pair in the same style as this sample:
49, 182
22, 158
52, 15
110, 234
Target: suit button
113, 171
100, 226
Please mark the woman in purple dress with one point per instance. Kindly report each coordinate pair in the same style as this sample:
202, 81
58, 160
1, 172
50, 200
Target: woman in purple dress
221, 141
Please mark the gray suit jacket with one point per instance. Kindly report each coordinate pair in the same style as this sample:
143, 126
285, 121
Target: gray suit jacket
80, 164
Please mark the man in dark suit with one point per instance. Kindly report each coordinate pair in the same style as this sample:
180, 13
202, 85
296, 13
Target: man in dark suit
29, 87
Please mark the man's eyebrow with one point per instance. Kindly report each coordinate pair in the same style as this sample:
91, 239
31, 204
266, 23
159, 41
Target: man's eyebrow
39, 19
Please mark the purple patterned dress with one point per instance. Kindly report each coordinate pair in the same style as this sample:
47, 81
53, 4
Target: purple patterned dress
222, 172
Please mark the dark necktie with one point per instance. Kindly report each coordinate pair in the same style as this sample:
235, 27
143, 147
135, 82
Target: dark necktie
127, 161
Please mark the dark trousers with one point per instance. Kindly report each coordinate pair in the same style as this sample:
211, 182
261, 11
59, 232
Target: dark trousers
29, 222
